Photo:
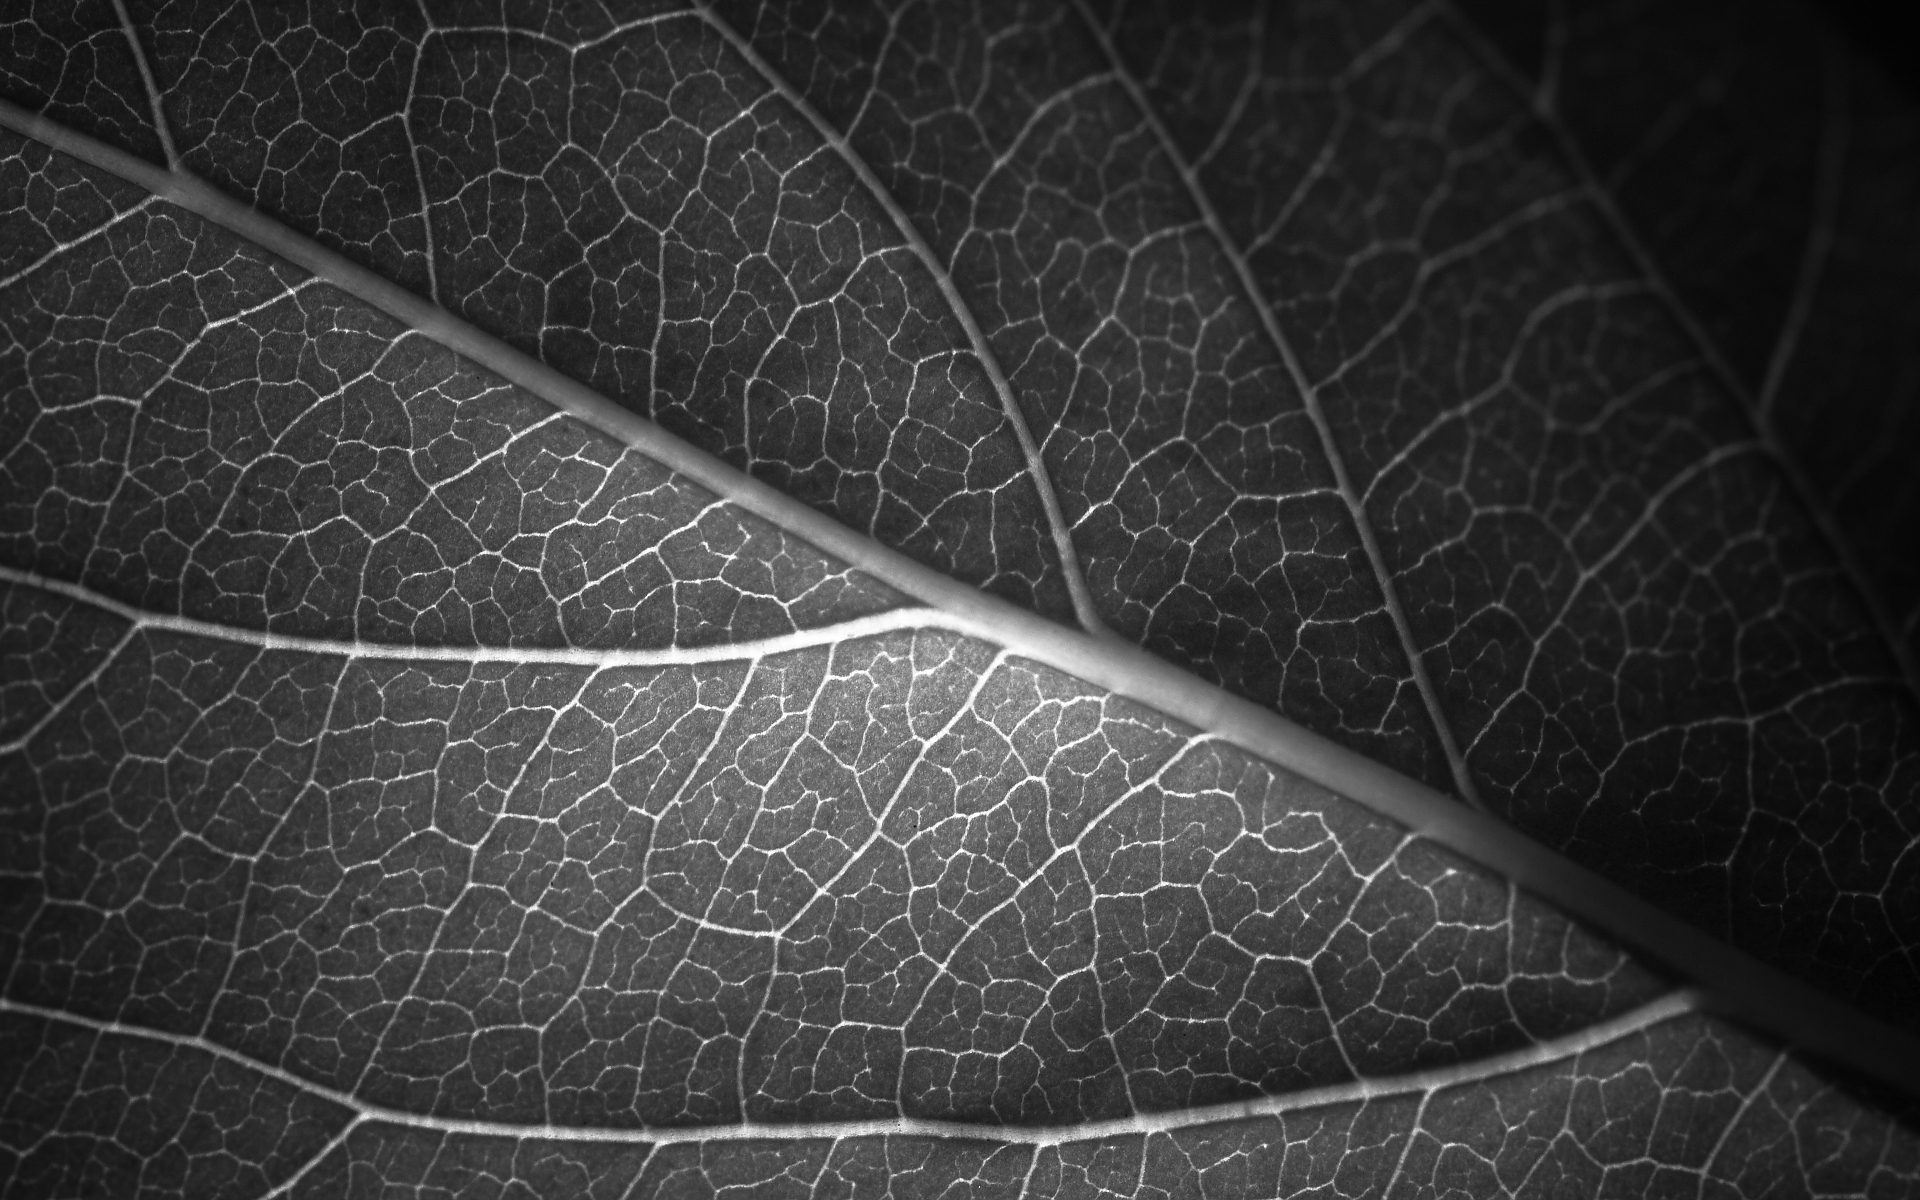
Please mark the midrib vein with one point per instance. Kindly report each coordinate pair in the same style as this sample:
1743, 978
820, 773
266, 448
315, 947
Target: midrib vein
1309, 395
1083, 608
1672, 1006
1757, 408
1741, 985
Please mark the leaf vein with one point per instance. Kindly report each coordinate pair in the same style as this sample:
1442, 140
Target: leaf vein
1243, 272
1061, 535
1675, 1005
1691, 326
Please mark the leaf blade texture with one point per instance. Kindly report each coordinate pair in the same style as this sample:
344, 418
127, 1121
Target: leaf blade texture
477, 801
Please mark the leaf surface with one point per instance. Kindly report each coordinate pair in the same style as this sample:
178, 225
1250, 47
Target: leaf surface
1349, 394
1777, 197
416, 781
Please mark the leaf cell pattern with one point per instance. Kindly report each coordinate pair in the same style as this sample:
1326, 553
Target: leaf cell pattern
407, 788
1684, 1106
271, 455
1808, 294
895, 877
1639, 637
1349, 392
640, 210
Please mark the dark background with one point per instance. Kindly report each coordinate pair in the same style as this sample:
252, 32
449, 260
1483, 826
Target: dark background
1884, 31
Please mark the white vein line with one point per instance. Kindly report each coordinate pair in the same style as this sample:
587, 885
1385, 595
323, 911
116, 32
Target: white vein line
413, 152
1033, 1164
1391, 862
1083, 608
1797, 480
1249, 83
15, 745
62, 248
1071, 848
1744, 986
266, 845
506, 31
1706, 1168
504, 451
1436, 263
1270, 323
632, 1191
1406, 1147
1041, 111
1826, 207
1577, 590
694, 779
1674, 1005
1566, 298
831, 635
146, 77
319, 1156
879, 834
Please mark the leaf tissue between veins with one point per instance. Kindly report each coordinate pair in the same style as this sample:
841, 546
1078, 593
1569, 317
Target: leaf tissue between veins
839, 598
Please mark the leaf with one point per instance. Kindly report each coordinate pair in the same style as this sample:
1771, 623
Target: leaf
423, 773
1797, 259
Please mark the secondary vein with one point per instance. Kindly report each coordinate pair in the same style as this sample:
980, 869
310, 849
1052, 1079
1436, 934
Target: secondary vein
1316, 413
1672, 1006
1757, 407
665, 656
1742, 986
160, 129
1083, 607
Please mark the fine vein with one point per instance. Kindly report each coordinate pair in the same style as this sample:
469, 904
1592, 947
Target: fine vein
1270, 323
1826, 205
1741, 985
665, 656
1083, 607
1757, 408
1672, 1006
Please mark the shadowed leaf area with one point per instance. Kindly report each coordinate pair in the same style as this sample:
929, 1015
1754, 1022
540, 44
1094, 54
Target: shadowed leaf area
410, 788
